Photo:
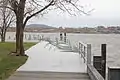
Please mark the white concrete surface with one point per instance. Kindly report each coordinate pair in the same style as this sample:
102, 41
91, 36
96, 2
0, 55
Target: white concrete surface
46, 57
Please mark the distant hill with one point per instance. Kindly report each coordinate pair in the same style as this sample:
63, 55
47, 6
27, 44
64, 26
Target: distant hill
38, 26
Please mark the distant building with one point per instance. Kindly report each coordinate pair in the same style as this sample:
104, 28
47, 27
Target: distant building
100, 28
114, 29
110, 29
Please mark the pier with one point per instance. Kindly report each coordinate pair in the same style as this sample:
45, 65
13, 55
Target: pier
58, 60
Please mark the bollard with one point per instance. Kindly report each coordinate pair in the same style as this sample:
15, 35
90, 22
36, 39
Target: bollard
61, 37
65, 37
113, 73
88, 53
103, 63
99, 62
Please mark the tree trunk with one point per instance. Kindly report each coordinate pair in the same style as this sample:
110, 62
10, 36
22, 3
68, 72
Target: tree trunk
20, 28
19, 38
3, 34
19, 42
3, 37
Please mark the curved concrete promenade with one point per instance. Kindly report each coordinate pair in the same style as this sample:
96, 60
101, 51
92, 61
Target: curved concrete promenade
46, 57
47, 62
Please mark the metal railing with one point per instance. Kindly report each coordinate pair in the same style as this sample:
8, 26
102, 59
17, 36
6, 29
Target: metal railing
82, 51
85, 52
93, 73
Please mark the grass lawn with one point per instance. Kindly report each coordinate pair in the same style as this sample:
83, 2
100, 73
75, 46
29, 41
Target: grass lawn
8, 64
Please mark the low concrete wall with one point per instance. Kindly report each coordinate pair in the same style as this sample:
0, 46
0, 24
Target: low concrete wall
93, 73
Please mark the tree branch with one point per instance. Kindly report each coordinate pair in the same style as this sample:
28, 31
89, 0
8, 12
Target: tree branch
10, 21
7, 7
37, 12
28, 12
78, 8
66, 9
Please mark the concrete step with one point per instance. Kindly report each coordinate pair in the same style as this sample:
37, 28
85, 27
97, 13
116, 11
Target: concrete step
31, 75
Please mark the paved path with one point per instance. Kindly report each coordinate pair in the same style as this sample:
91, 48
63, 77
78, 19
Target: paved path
47, 62
24, 75
46, 57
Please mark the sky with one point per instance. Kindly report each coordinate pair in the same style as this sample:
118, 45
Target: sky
105, 13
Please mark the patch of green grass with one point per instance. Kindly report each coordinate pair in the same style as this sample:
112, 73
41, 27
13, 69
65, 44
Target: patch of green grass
8, 64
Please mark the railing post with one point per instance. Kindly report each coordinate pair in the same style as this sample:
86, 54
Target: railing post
65, 37
88, 53
103, 51
84, 51
79, 47
61, 37
56, 41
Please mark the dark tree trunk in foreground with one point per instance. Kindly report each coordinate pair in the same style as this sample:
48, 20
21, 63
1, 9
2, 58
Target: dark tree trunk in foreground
20, 28
3, 36
20, 24
19, 38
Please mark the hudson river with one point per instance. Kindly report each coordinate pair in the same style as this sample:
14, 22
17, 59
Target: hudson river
112, 41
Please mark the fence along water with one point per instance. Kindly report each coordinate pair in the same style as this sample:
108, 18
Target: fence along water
85, 52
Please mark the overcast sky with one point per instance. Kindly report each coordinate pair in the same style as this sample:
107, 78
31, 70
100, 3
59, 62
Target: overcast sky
106, 13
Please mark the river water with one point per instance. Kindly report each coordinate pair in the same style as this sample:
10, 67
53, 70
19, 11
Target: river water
112, 41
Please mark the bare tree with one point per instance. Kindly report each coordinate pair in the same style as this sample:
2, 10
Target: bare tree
6, 20
26, 9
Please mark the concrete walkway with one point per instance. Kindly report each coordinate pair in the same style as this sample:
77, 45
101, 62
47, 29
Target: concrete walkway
27, 75
45, 58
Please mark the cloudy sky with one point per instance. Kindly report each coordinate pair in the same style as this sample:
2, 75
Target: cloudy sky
106, 13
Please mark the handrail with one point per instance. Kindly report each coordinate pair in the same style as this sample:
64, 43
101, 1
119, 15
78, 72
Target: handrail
83, 51
83, 43
93, 73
